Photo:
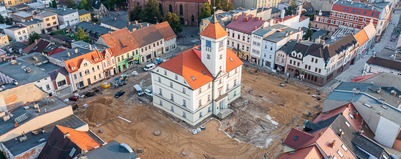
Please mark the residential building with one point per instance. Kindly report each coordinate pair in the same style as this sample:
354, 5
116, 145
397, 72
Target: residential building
19, 72
379, 107
4, 40
200, 81
38, 5
240, 33
318, 64
99, 10
49, 19
379, 64
113, 150
94, 30
117, 24
17, 33
32, 127
169, 36
266, 41
58, 75
364, 41
84, 15
293, 21
255, 3
33, 26
123, 46
76, 142
321, 21
150, 43
84, 66
66, 17
4, 11
187, 10
21, 16
355, 15
38, 46
10, 3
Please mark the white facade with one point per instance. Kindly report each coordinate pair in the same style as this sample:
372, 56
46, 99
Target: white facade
68, 19
239, 40
18, 34
34, 27
45, 84
169, 45
371, 69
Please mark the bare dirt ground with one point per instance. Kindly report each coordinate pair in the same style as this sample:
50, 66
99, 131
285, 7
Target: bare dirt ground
264, 114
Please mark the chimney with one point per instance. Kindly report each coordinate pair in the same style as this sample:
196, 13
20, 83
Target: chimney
340, 132
36, 41
68, 54
90, 47
15, 124
76, 50
246, 19
256, 27
129, 23
136, 22
140, 26
320, 12
38, 110
282, 13
373, 7
333, 144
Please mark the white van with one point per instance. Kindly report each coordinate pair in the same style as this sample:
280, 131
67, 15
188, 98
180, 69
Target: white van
138, 90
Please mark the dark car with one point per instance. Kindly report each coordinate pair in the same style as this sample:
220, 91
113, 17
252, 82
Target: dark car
119, 94
73, 98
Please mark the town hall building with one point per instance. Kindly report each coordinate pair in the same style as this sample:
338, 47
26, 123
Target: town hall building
199, 82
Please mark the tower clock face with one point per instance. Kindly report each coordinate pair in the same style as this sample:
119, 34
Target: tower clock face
208, 43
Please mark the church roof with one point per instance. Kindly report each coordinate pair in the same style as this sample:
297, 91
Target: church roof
214, 30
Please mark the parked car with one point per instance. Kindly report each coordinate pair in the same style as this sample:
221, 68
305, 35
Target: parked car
149, 67
73, 98
148, 92
138, 90
119, 94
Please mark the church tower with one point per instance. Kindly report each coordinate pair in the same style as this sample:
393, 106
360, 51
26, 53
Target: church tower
213, 47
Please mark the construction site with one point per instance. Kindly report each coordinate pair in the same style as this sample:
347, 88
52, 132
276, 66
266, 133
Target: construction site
262, 118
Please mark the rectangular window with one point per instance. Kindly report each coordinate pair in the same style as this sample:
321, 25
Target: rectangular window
207, 56
172, 96
160, 91
200, 102
184, 103
171, 84
208, 98
183, 90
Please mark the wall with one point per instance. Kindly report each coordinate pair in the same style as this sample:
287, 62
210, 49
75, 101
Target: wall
45, 84
17, 95
370, 69
85, 18
69, 19
95, 74
17, 37
150, 50
50, 22
37, 28
170, 45
386, 132
4, 40
38, 122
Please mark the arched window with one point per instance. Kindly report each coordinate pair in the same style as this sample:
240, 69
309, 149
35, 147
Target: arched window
170, 8
181, 10
161, 9
192, 18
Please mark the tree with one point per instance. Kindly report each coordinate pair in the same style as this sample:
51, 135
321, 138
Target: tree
224, 5
206, 11
2, 20
135, 14
151, 13
292, 9
8, 21
82, 35
53, 4
33, 37
308, 34
174, 21
85, 4
70, 4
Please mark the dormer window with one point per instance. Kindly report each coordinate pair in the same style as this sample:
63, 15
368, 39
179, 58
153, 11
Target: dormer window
299, 55
293, 54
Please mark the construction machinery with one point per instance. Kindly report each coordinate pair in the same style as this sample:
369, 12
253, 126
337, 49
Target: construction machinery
120, 81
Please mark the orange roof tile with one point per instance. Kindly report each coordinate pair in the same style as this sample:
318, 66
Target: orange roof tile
80, 138
120, 41
214, 31
189, 63
361, 37
94, 57
165, 29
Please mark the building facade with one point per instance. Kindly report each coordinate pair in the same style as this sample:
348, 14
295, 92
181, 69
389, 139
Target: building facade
10, 3
84, 15
255, 3
17, 33
33, 26
378, 64
187, 10
49, 19
199, 82
240, 33
67, 17
4, 40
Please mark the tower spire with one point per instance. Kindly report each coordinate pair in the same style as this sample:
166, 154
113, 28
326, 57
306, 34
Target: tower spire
214, 20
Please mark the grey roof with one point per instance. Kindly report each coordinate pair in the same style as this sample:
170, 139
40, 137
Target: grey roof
35, 58
281, 35
318, 34
111, 150
119, 23
96, 4
46, 14
17, 72
31, 21
16, 147
63, 11
360, 5
275, 10
85, 45
94, 28
263, 31
15, 28
54, 104
53, 74
82, 12
289, 46
385, 79
23, 14
75, 52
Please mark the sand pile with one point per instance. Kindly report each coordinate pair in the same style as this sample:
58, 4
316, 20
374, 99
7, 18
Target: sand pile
100, 111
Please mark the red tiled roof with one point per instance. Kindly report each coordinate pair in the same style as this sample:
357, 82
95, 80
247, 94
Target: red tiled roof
166, 30
94, 57
245, 24
297, 138
56, 50
340, 8
189, 64
80, 138
214, 31
345, 110
363, 78
120, 41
